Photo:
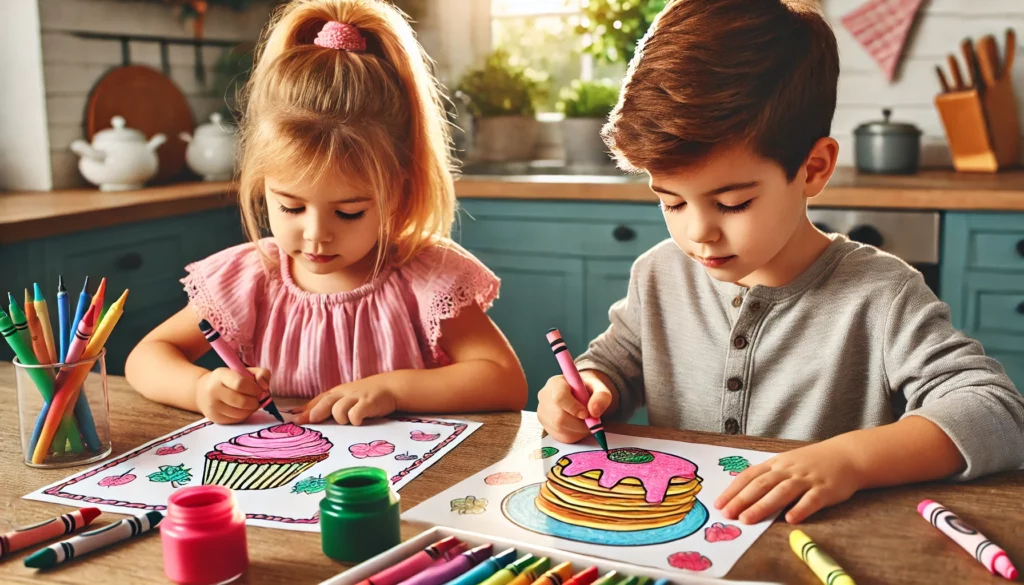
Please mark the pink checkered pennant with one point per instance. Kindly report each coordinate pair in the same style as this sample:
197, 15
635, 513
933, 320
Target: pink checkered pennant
881, 27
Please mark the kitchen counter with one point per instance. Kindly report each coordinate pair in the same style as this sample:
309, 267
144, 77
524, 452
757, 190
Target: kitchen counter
28, 215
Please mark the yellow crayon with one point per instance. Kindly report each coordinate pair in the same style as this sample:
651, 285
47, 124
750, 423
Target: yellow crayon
556, 576
531, 573
818, 560
43, 312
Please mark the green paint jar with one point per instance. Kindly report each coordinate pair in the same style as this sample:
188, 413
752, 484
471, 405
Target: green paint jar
359, 514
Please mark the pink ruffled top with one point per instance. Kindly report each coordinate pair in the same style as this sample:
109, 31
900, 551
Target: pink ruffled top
313, 342
285, 441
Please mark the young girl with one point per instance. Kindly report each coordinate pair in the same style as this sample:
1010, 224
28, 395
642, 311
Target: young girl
359, 301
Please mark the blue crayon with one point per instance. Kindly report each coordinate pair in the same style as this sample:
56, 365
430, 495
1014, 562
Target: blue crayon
662, 582
63, 318
485, 569
84, 298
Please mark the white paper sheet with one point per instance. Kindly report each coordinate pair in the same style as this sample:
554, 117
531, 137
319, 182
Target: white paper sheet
143, 478
499, 501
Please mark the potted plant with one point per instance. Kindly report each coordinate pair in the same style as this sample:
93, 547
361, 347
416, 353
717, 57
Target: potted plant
586, 105
613, 28
501, 96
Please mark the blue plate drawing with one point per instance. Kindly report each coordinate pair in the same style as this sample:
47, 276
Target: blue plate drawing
519, 508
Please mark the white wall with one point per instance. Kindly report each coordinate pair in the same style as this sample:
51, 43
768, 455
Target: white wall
24, 148
942, 24
72, 65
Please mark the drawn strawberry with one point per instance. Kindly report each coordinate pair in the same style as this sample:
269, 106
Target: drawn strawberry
421, 436
719, 532
116, 480
171, 450
690, 561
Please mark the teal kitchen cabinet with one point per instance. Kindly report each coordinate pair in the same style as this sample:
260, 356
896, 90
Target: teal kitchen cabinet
983, 283
147, 258
562, 264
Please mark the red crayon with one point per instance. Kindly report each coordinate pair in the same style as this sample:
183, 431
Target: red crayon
52, 528
584, 577
414, 564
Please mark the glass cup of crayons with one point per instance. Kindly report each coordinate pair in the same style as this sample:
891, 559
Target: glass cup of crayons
61, 376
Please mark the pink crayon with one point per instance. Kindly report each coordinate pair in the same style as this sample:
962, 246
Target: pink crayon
453, 568
984, 550
78, 343
579, 389
403, 570
52, 528
232, 362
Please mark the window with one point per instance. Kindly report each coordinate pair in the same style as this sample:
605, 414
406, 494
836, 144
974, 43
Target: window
541, 35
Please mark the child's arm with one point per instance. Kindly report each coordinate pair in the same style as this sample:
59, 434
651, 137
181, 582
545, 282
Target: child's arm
485, 375
161, 369
964, 419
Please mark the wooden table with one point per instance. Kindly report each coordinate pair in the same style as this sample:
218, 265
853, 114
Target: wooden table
877, 536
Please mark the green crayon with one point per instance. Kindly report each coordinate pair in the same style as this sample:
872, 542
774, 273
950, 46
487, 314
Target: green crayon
510, 571
20, 321
608, 579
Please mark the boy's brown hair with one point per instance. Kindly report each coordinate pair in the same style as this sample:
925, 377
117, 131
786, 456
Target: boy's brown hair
717, 73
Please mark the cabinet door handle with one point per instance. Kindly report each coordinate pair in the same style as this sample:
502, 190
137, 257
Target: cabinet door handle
624, 234
130, 261
1020, 248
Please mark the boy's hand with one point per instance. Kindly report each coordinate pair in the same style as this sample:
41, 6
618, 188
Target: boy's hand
227, 397
562, 415
350, 403
818, 475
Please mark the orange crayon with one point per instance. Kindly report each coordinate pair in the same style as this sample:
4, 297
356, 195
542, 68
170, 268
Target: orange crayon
531, 573
52, 528
556, 576
35, 331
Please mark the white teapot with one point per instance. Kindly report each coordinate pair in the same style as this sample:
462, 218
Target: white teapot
119, 158
211, 153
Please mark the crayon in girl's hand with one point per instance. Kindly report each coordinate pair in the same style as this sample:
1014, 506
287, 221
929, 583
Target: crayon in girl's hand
232, 361
54, 527
402, 570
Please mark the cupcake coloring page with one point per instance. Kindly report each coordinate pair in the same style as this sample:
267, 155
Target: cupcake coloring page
277, 471
645, 501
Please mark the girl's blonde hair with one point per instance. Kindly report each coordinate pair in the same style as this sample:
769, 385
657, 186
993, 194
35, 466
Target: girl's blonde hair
375, 116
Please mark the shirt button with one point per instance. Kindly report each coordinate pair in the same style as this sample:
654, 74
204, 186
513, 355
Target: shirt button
734, 384
732, 426
740, 342
755, 306
737, 301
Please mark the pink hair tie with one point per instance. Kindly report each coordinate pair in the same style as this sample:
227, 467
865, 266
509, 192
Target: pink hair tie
337, 35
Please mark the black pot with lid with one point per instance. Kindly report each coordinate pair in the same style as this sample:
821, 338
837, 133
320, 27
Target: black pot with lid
886, 147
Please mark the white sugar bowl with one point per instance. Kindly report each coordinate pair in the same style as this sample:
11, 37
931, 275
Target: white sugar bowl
119, 158
211, 152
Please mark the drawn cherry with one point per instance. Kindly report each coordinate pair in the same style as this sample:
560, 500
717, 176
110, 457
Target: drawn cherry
116, 480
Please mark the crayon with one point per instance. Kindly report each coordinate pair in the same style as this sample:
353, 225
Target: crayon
662, 582
609, 578
97, 298
67, 550
41, 377
35, 331
643, 580
443, 573
630, 581
556, 575
824, 567
83, 306
19, 320
986, 552
232, 361
52, 528
511, 571
63, 319
579, 389
70, 390
485, 569
404, 569
532, 572
43, 312
584, 577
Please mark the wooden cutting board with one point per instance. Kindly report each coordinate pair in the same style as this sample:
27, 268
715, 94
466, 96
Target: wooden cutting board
150, 103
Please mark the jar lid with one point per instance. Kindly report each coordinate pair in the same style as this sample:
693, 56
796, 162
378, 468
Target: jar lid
216, 128
885, 127
118, 134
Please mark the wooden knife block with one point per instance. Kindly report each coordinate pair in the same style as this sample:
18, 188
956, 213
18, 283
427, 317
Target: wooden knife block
983, 131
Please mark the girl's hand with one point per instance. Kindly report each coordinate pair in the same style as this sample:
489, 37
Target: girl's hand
562, 415
818, 475
350, 403
227, 397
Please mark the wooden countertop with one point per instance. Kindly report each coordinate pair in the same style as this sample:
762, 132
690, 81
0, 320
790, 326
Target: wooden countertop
28, 215
877, 536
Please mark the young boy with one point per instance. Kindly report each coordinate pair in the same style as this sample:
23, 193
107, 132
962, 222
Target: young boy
751, 321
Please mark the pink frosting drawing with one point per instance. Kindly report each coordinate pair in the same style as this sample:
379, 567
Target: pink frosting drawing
690, 560
654, 475
285, 441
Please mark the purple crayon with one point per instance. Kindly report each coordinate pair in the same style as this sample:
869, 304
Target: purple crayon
453, 568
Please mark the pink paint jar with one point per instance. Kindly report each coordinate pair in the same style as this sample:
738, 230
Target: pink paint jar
203, 536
